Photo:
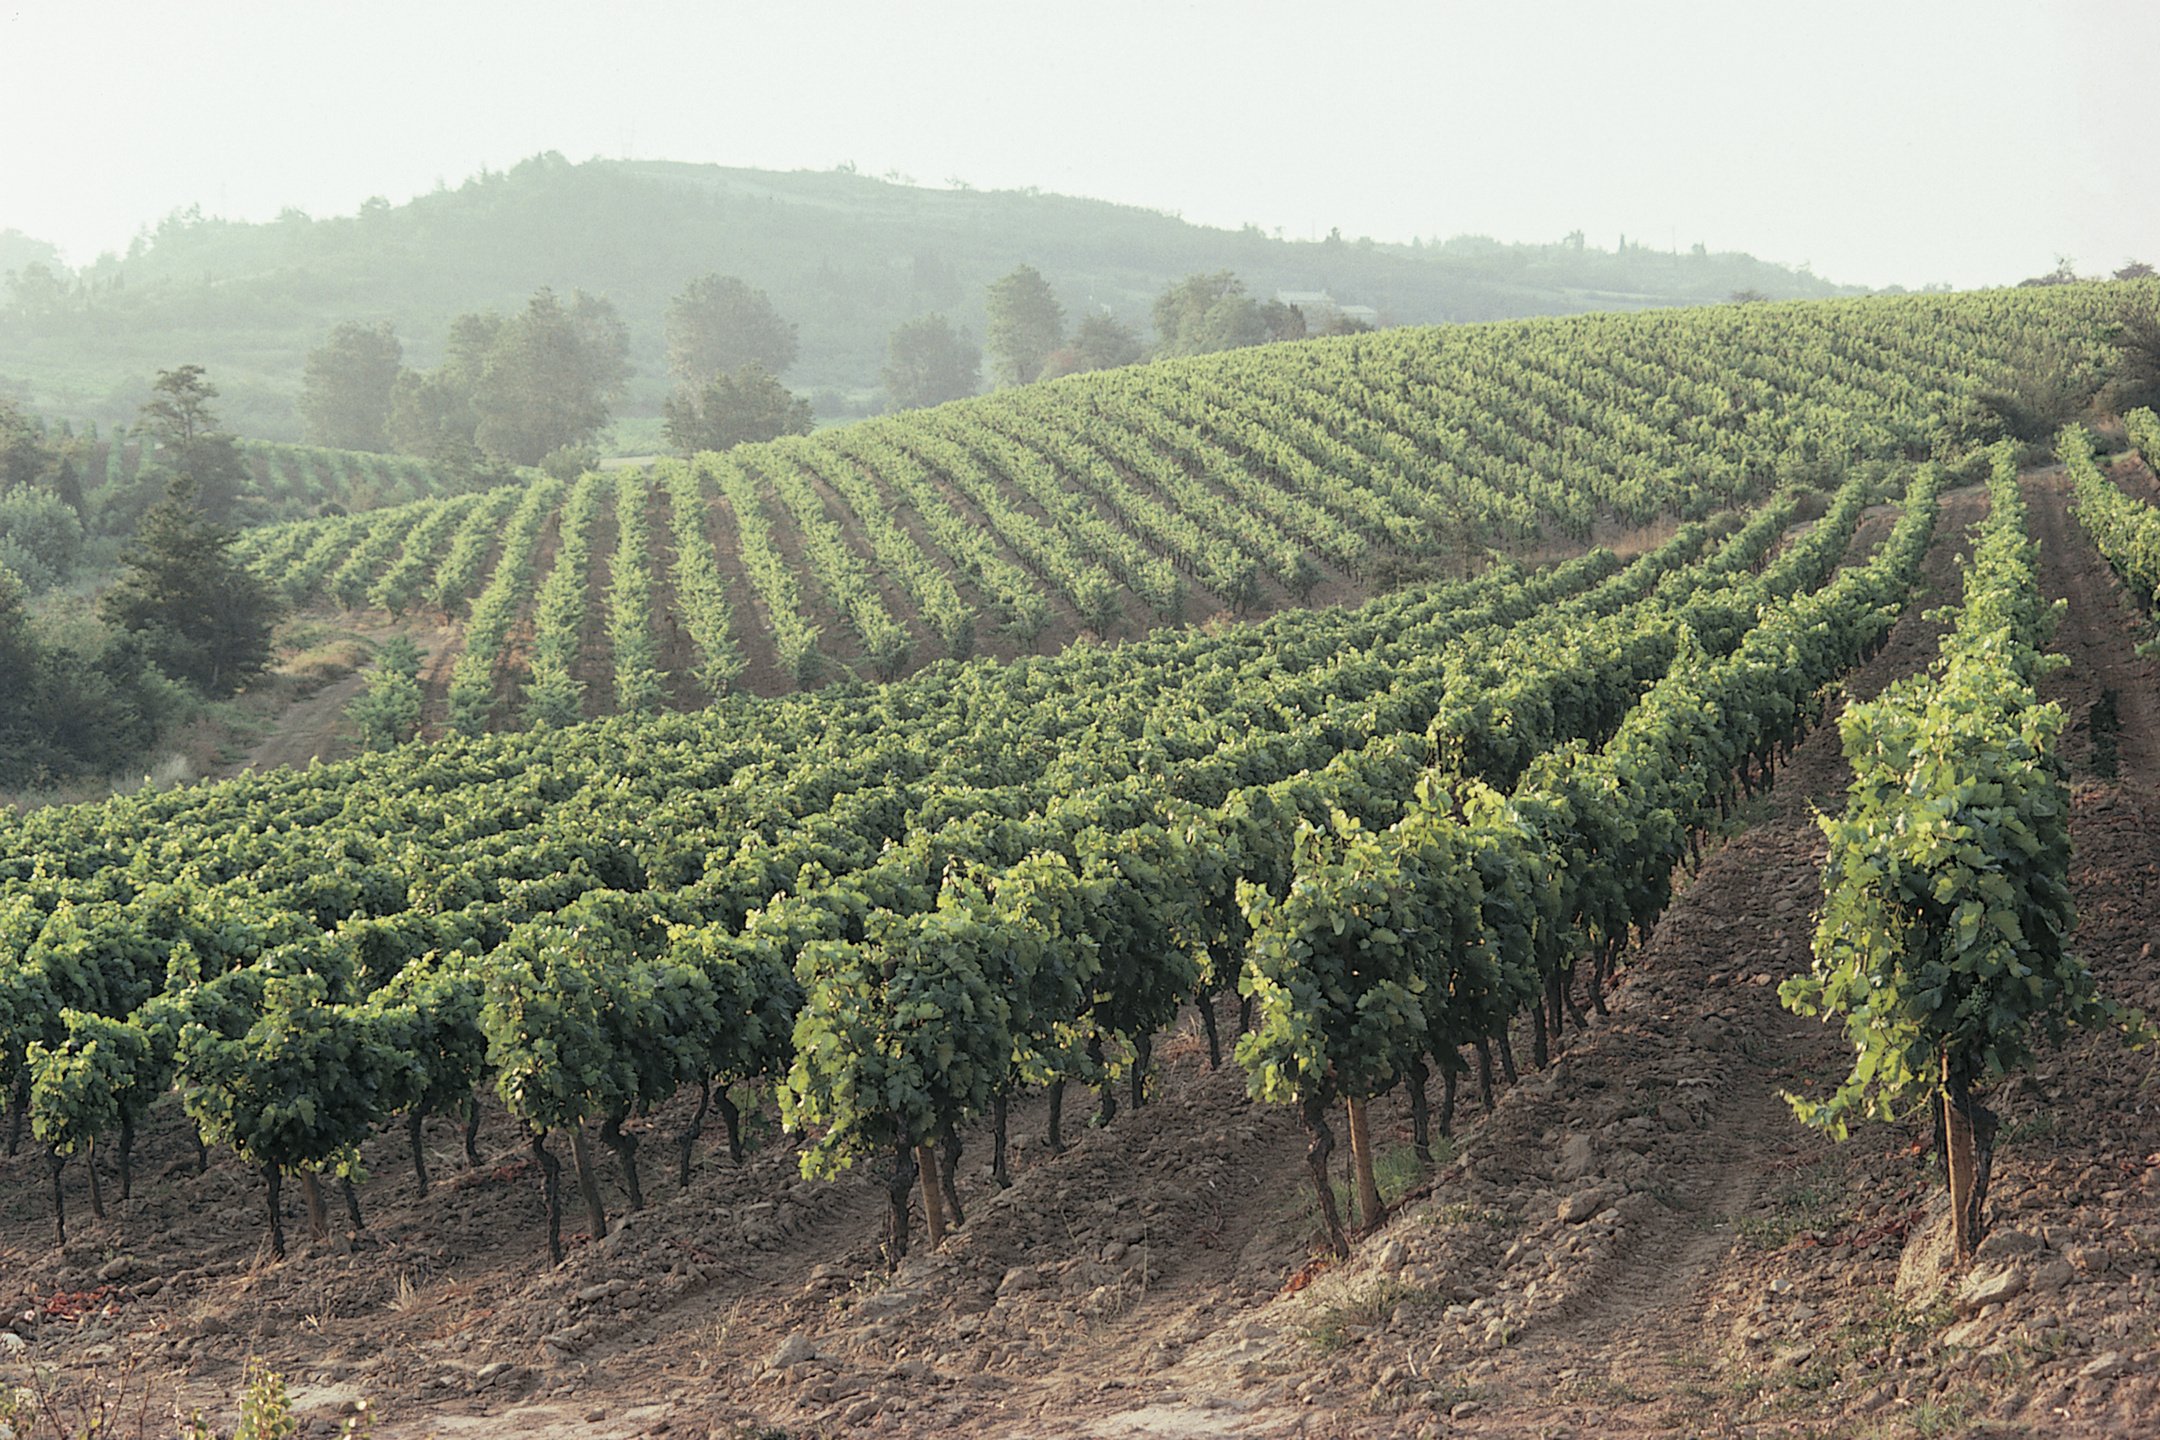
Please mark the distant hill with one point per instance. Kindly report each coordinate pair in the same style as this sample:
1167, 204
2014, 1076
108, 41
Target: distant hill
845, 256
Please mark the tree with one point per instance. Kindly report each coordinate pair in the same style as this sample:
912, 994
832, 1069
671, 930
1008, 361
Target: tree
1337, 323
1026, 325
2135, 270
549, 377
514, 391
27, 457
37, 291
431, 413
1181, 310
2136, 383
1202, 314
928, 362
41, 539
205, 618
346, 392
719, 324
1103, 342
190, 443
65, 711
739, 409
2062, 274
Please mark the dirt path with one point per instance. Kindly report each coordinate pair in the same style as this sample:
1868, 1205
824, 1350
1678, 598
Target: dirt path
309, 729
313, 726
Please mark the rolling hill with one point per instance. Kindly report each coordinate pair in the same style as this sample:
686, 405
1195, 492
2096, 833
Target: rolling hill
845, 256
1104, 505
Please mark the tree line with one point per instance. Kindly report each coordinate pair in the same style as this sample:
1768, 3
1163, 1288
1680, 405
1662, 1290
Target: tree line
536, 388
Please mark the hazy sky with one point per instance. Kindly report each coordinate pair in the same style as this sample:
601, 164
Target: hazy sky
1970, 141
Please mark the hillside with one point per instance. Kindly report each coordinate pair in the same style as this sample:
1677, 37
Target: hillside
977, 1053
1323, 472
846, 257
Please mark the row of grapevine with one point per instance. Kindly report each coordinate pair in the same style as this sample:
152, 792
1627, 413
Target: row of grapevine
380, 539
2126, 531
1943, 942
839, 571
700, 592
1117, 499
399, 586
898, 557
471, 544
604, 940
1194, 527
1087, 529
864, 450
296, 477
1058, 563
472, 680
795, 637
329, 545
553, 693
2144, 429
1394, 946
638, 686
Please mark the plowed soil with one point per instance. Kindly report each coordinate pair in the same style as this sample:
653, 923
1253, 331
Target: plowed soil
1637, 1239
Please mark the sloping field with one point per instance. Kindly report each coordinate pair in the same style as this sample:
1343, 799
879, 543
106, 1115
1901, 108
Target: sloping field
1107, 504
969, 1054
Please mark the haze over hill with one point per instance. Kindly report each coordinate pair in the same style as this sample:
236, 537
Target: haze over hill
845, 256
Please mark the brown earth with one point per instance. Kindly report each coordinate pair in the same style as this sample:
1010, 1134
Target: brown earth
1637, 1240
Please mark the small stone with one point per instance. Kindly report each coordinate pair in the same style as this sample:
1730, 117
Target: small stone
1577, 1158
1391, 1257
1780, 1286
11, 1344
797, 1349
1991, 1289
1581, 1205
885, 1302
2050, 1276
1019, 1279
2004, 1244
116, 1268
2104, 1366
1465, 1409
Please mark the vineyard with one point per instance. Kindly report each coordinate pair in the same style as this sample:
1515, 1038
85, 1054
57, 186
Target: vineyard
284, 481
1105, 505
945, 1000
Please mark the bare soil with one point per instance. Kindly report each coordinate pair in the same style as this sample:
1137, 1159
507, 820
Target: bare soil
1636, 1240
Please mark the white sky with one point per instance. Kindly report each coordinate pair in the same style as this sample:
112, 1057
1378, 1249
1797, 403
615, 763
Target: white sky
1889, 141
